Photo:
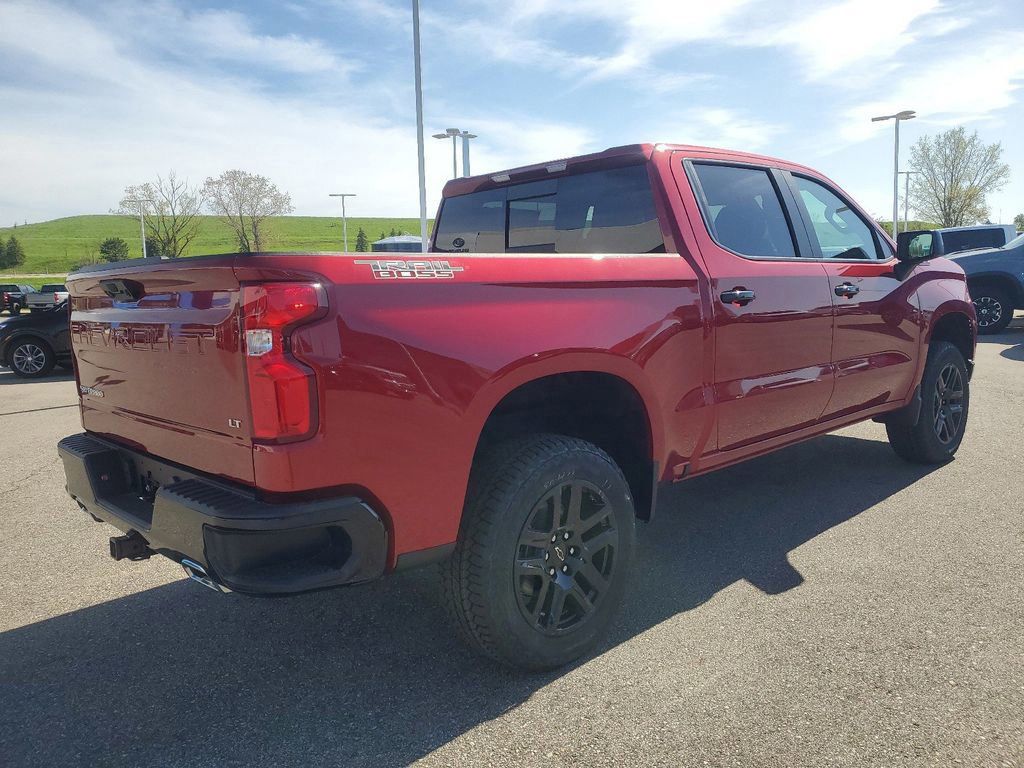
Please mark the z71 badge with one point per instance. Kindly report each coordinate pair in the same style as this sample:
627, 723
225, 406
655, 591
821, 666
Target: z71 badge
411, 270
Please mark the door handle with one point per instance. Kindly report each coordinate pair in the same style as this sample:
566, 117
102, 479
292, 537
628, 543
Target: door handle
738, 296
847, 289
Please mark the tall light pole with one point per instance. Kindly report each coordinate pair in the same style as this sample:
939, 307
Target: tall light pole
466, 136
344, 220
419, 123
906, 199
906, 114
453, 134
142, 218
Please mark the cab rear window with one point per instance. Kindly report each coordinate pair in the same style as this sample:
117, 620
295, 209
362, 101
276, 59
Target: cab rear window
599, 212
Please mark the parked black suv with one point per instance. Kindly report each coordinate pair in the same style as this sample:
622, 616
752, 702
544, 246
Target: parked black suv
12, 297
32, 344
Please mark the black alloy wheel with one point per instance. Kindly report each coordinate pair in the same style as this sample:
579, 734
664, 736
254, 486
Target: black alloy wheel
566, 557
948, 404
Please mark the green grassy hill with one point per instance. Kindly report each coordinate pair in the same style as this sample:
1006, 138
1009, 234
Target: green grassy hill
53, 247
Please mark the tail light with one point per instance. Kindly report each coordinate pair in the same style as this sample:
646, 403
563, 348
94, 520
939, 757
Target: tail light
282, 391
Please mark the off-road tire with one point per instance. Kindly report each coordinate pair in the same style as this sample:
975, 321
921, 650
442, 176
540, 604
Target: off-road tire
924, 442
483, 581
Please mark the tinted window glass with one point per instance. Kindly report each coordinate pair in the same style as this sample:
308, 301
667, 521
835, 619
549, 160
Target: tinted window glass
608, 212
744, 211
967, 239
841, 233
473, 223
600, 212
531, 224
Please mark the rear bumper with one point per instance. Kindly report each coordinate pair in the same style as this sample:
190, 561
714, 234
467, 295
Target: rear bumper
243, 543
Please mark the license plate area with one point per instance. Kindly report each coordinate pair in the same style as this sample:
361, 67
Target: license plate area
132, 493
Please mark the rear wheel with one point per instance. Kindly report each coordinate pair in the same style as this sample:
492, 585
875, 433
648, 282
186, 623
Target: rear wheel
993, 307
32, 358
945, 400
541, 562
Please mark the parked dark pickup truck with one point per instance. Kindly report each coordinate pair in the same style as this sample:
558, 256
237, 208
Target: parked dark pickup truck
12, 297
584, 332
995, 276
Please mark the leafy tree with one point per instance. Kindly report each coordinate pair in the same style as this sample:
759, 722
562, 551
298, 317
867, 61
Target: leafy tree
911, 225
382, 235
362, 241
3, 253
114, 249
14, 254
955, 175
155, 248
1018, 222
244, 201
394, 232
171, 212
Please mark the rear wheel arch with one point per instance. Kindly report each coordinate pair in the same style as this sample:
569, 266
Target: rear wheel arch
602, 408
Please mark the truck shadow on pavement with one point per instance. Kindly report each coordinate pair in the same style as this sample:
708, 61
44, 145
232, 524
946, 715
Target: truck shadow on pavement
373, 675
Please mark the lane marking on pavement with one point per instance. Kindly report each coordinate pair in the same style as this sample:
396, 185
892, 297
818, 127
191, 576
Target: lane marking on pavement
36, 410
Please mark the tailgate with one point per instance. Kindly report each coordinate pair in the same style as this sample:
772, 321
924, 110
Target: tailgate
159, 364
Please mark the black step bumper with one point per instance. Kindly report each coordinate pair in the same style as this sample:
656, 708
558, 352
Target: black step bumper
244, 544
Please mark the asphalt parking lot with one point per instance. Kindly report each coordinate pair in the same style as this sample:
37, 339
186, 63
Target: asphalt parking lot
825, 605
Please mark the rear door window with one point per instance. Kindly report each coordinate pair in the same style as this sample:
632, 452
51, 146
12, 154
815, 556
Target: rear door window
743, 211
608, 211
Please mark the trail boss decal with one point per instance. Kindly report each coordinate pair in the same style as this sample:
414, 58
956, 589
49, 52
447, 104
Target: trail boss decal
411, 270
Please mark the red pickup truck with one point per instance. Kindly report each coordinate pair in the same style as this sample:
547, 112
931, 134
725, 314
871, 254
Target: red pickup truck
581, 333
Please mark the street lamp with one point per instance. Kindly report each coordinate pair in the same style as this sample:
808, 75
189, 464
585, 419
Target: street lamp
142, 218
906, 114
906, 198
453, 134
344, 221
466, 136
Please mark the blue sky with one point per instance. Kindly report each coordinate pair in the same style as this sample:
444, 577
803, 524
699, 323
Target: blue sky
317, 95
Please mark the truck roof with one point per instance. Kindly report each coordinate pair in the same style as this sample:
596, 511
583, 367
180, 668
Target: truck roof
613, 157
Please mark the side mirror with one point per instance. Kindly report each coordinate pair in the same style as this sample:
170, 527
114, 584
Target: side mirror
918, 245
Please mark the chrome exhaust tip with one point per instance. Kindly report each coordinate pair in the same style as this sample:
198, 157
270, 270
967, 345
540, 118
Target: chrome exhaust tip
196, 572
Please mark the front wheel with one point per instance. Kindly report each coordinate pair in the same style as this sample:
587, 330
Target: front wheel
31, 359
993, 308
544, 548
945, 399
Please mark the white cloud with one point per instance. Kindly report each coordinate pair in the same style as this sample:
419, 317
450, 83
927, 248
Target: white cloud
719, 127
963, 87
519, 32
228, 35
108, 117
853, 37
